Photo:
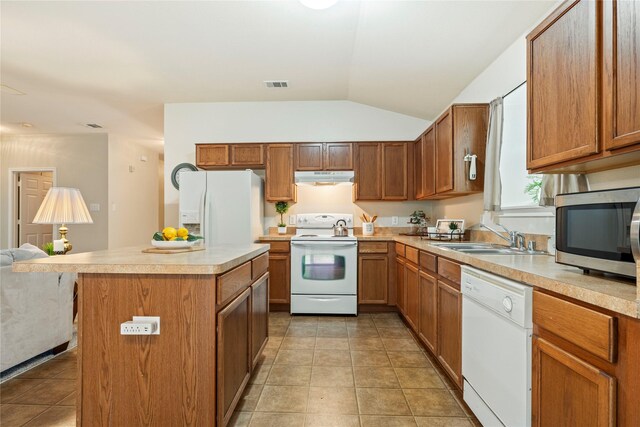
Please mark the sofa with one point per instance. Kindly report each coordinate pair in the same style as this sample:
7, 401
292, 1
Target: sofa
36, 309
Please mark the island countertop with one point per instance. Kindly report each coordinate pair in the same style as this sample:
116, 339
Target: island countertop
131, 260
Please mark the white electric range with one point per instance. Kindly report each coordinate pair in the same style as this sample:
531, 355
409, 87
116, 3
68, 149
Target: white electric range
324, 268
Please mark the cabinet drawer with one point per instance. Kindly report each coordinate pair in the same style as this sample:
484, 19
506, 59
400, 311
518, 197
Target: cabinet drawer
279, 247
400, 249
259, 265
449, 270
411, 254
372, 247
232, 282
428, 261
593, 331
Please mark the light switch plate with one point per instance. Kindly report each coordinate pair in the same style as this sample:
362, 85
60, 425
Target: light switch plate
292, 220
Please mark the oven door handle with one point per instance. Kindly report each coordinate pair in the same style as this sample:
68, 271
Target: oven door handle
324, 243
635, 233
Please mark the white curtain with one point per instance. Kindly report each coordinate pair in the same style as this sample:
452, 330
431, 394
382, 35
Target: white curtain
492, 184
553, 185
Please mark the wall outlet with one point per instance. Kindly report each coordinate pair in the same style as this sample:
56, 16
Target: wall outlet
292, 220
394, 220
141, 325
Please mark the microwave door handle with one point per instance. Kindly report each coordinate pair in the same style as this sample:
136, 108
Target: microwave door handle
635, 233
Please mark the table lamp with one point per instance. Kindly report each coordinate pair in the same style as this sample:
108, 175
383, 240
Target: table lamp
63, 205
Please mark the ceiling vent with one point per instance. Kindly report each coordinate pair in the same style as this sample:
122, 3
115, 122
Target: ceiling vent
94, 125
277, 83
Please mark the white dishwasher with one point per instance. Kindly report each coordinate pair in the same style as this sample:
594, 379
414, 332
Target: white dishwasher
496, 348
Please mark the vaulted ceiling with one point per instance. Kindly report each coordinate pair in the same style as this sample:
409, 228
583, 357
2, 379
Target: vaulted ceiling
116, 63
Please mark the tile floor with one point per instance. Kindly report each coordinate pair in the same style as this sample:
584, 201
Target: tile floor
316, 371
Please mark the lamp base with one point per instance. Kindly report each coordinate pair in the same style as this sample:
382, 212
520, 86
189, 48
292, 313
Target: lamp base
63, 236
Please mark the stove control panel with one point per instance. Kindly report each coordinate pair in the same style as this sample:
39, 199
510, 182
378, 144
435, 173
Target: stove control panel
323, 220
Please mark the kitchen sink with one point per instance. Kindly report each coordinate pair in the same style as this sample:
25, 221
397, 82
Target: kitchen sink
485, 249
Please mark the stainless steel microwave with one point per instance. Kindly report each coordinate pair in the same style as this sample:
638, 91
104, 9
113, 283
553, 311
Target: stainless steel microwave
598, 230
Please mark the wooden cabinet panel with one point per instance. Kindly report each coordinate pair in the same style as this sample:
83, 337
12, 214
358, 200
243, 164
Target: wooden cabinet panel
394, 171
309, 157
419, 174
411, 254
373, 247
279, 246
621, 77
368, 171
259, 317
568, 391
429, 161
450, 270
230, 283
470, 124
400, 285
562, 84
247, 155
338, 156
428, 320
212, 155
450, 330
259, 265
412, 300
373, 281
400, 249
428, 262
444, 153
279, 278
279, 173
234, 354
586, 328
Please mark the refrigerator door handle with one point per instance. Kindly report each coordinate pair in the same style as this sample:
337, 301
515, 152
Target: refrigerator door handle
203, 214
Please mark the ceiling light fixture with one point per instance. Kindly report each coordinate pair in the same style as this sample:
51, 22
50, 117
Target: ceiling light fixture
318, 4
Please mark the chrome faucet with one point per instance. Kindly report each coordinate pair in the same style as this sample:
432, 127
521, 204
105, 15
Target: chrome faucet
516, 239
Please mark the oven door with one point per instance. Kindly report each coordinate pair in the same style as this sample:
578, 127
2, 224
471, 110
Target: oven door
324, 267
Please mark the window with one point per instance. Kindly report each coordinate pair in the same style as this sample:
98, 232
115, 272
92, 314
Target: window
519, 189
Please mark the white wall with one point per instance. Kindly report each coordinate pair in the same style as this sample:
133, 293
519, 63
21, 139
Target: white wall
295, 121
134, 194
80, 161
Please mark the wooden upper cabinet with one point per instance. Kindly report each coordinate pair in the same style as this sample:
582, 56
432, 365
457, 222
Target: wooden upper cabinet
338, 156
563, 87
621, 79
419, 174
212, 155
368, 168
279, 173
394, 170
216, 156
444, 153
247, 155
309, 157
429, 161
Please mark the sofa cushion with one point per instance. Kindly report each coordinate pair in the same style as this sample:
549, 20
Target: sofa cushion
6, 257
28, 251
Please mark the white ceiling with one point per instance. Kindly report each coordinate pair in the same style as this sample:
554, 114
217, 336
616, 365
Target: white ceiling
116, 63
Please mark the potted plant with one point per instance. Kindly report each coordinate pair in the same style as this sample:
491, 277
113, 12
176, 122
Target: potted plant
417, 220
282, 208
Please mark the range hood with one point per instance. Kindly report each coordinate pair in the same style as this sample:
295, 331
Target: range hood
323, 177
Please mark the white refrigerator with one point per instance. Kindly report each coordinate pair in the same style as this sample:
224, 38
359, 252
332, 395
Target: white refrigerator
224, 207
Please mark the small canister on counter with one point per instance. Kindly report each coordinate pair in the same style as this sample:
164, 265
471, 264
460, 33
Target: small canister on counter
367, 229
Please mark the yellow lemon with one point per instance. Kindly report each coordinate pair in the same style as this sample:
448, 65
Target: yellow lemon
169, 233
183, 232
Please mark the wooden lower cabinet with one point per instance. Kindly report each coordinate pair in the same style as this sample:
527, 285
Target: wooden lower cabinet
400, 285
449, 349
259, 317
373, 283
428, 320
569, 391
279, 272
412, 306
234, 354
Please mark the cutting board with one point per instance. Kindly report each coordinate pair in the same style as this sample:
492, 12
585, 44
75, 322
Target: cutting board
173, 251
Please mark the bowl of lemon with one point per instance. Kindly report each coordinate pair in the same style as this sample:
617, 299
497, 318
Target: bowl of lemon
172, 238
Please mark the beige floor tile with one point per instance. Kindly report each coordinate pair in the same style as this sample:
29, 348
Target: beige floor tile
332, 400
394, 333
362, 332
332, 331
330, 420
326, 343
331, 358
15, 387
302, 331
388, 323
274, 342
443, 422
18, 415
408, 359
250, 397
240, 419
278, 331
298, 343
289, 375
419, 378
68, 374
294, 357
56, 416
283, 399
48, 392
261, 419
280, 315
331, 320
400, 344
386, 315
363, 320
48, 369
260, 374
266, 359
68, 401
382, 421
374, 376
304, 320
382, 401
370, 358
332, 376
366, 344
432, 402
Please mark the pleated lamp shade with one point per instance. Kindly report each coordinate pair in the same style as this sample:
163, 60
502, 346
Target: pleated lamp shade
63, 205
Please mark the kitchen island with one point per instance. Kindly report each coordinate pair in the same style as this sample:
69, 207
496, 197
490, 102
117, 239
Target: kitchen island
213, 310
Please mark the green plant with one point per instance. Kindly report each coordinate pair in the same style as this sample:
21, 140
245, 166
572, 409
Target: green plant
453, 226
533, 188
418, 218
48, 248
282, 208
